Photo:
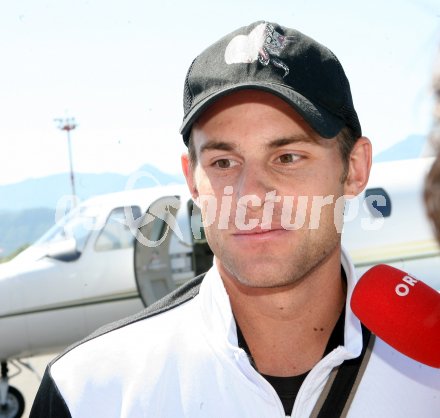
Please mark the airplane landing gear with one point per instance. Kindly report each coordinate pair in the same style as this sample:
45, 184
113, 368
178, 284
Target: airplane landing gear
11, 400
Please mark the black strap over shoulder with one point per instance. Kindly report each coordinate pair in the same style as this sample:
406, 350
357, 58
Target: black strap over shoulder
338, 394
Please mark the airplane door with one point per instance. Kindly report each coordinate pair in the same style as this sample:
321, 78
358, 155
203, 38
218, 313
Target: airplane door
152, 261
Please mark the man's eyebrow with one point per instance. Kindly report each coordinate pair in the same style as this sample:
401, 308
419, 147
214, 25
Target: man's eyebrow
217, 145
277, 143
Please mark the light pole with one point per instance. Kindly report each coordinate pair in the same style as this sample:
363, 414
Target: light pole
69, 124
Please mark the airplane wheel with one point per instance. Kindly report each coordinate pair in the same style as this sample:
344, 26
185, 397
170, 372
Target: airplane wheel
14, 406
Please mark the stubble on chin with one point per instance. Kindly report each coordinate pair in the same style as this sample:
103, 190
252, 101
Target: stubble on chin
268, 272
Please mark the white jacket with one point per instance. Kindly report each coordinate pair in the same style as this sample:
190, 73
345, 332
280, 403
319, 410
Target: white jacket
184, 361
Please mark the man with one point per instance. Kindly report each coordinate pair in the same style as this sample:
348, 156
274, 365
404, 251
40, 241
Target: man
274, 146
432, 187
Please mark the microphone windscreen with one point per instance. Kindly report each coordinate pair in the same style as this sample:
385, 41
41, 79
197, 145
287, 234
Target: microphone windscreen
401, 310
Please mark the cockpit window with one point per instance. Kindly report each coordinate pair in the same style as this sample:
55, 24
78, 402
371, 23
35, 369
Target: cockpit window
78, 224
116, 234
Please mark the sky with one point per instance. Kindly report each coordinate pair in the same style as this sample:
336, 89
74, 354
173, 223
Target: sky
118, 68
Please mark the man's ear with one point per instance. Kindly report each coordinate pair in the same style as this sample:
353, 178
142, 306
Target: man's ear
188, 172
359, 166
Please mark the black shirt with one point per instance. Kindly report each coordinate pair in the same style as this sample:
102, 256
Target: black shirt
287, 388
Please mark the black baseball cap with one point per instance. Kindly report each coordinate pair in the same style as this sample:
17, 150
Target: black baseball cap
283, 61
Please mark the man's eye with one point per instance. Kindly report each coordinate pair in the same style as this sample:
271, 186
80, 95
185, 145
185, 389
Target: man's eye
224, 163
288, 158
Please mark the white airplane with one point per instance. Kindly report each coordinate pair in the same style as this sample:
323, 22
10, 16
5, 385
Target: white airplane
89, 269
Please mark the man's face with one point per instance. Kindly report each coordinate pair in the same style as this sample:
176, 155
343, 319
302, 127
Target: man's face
256, 160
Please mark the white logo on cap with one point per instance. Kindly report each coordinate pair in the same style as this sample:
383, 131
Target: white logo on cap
264, 44
245, 48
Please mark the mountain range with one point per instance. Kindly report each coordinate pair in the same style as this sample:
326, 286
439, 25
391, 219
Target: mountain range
23, 227
47, 191
414, 146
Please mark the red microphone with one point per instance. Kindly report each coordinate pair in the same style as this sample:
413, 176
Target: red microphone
401, 310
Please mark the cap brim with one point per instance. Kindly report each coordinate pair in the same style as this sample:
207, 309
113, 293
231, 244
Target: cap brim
323, 122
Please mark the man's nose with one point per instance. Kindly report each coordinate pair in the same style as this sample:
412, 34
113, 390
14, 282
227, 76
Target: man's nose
253, 187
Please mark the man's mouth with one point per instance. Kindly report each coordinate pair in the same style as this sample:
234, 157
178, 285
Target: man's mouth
259, 233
